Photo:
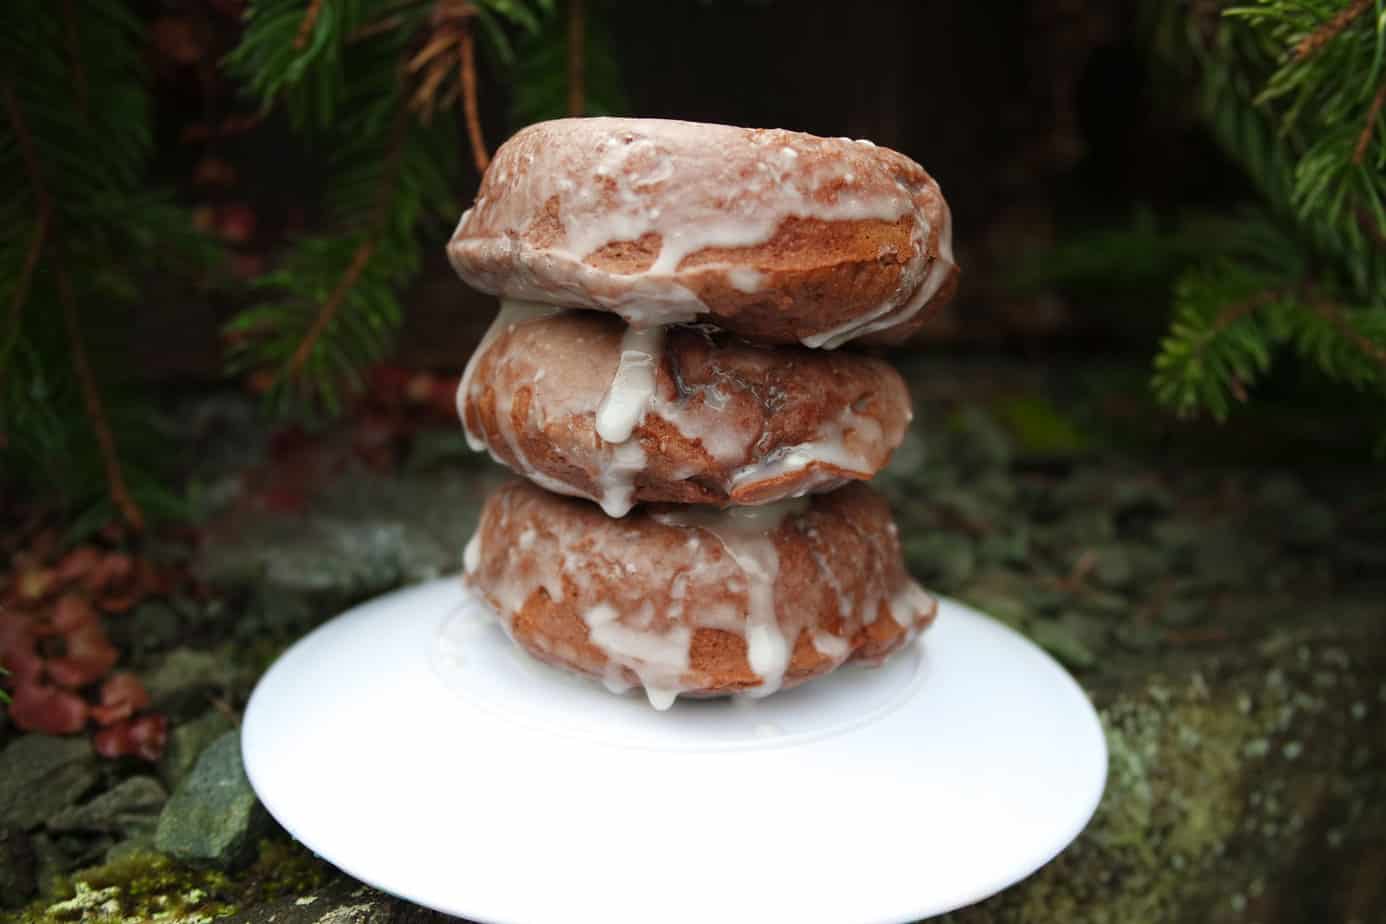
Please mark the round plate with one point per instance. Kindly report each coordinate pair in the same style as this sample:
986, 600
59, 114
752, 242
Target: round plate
410, 744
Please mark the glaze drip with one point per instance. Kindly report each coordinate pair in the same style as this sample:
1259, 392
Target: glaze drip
745, 534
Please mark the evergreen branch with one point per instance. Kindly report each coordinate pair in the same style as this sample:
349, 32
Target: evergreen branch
96, 413
1331, 29
364, 251
1335, 315
305, 27
577, 94
471, 110
1359, 152
1215, 347
330, 307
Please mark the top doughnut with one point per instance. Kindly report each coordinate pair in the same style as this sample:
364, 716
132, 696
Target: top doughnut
778, 236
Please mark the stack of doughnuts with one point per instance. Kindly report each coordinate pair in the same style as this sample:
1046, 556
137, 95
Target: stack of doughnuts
664, 374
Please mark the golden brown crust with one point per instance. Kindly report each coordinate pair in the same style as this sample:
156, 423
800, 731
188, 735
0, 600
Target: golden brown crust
840, 591
779, 236
726, 418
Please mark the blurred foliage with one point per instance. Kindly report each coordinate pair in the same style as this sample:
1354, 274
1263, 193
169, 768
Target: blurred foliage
1293, 93
80, 229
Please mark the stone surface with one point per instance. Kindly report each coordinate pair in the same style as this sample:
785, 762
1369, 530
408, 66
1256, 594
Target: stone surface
341, 901
18, 868
363, 535
131, 808
187, 741
181, 682
213, 816
40, 776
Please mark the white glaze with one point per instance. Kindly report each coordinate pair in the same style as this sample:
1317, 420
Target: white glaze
617, 479
745, 279
633, 387
471, 555
830, 646
745, 534
659, 659
844, 449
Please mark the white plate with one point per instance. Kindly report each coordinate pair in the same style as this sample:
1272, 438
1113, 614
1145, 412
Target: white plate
408, 743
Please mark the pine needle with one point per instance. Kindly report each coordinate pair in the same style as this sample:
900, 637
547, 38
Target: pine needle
96, 411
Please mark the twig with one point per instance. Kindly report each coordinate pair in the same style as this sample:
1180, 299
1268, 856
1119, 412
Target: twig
305, 28
359, 259
1359, 153
384, 24
469, 104
96, 412
577, 97
1330, 30
79, 77
1333, 314
1238, 310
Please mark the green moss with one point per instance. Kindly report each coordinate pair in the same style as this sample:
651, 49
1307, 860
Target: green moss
151, 887
1214, 780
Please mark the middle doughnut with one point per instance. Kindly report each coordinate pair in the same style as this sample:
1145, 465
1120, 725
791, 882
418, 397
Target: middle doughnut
582, 405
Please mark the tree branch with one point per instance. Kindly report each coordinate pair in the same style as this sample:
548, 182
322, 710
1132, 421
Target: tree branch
96, 412
1238, 310
469, 103
305, 28
1333, 314
1331, 29
1359, 153
577, 97
360, 257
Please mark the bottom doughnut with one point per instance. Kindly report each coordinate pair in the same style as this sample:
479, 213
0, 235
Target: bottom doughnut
695, 601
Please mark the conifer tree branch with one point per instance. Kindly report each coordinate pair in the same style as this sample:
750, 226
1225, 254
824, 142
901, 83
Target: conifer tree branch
1359, 152
1331, 29
305, 27
96, 411
470, 110
1333, 314
362, 255
329, 308
577, 94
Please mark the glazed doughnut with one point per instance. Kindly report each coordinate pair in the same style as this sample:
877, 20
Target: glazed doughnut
696, 601
583, 405
779, 236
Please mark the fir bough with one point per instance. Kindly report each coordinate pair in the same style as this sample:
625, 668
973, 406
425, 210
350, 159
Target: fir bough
1293, 92
375, 85
80, 231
